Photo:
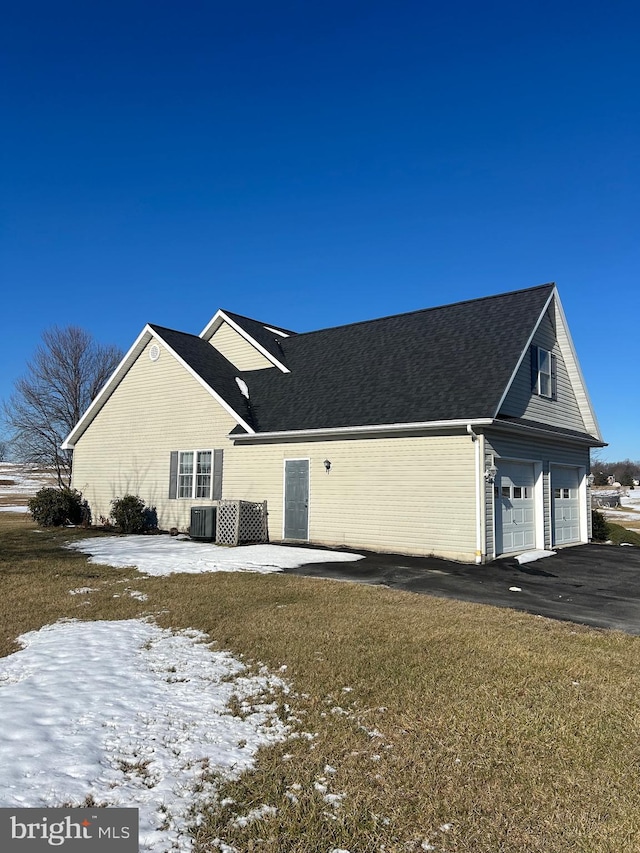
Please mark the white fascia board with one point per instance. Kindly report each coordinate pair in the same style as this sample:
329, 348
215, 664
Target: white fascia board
575, 372
220, 317
109, 387
213, 325
525, 351
363, 430
277, 332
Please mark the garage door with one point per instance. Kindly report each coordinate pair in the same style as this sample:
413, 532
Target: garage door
515, 507
565, 502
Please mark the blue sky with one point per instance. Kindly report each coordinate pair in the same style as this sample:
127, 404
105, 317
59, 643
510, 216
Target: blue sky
313, 164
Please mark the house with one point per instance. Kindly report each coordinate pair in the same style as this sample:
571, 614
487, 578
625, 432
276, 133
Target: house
461, 431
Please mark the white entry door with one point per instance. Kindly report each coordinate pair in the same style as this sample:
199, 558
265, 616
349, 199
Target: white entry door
565, 500
515, 507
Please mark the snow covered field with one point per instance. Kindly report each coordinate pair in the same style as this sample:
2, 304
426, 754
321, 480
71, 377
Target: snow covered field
124, 713
18, 483
630, 515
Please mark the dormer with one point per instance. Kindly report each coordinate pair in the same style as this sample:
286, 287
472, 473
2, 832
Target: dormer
248, 344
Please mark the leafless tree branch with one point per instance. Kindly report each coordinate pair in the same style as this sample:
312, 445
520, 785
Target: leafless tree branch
67, 371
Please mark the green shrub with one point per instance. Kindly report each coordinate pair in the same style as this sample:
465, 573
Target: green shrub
599, 527
54, 507
132, 516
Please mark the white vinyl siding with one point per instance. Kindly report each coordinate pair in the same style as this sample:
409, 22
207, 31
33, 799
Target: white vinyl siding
413, 495
238, 350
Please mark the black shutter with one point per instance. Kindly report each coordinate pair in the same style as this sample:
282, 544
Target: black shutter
534, 370
173, 474
217, 475
554, 377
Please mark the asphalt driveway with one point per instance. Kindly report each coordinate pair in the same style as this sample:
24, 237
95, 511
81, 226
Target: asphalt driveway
597, 585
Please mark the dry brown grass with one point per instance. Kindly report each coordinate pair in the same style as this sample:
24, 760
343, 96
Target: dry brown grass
516, 733
37, 575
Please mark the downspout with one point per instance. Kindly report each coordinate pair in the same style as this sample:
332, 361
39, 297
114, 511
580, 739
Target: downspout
475, 438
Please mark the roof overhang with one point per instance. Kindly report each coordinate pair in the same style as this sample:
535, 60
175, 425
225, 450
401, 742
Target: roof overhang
549, 433
373, 430
360, 431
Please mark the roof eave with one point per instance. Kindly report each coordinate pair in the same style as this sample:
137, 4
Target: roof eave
417, 427
367, 429
550, 432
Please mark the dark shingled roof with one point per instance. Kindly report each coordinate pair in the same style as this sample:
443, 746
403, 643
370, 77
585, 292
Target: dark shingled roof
438, 364
447, 363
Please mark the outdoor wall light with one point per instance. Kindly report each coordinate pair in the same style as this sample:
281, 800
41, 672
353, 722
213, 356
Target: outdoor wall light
591, 479
490, 473
327, 465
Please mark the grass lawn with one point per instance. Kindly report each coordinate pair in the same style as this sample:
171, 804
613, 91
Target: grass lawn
437, 725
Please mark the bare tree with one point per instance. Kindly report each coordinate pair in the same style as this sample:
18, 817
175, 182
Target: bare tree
4, 449
65, 374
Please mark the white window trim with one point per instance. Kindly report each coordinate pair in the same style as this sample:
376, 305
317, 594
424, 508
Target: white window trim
194, 476
541, 352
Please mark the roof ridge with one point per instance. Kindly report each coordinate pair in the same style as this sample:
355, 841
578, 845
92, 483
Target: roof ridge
425, 310
169, 329
262, 323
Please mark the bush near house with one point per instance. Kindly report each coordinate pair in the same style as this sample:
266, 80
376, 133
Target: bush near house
53, 507
599, 527
132, 516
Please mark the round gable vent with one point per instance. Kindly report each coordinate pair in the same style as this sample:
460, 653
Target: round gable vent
154, 352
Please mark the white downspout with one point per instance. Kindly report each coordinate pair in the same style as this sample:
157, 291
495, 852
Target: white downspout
475, 440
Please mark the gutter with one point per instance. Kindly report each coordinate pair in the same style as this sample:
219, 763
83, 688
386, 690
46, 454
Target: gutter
359, 430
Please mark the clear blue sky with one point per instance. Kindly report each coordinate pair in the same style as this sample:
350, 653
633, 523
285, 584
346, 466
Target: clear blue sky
313, 164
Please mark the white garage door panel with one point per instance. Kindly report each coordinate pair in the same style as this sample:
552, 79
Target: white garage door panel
565, 501
515, 507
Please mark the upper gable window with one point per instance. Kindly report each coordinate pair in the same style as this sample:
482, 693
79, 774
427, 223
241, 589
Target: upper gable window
543, 373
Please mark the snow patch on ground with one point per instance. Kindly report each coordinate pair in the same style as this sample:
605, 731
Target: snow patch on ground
531, 556
163, 555
130, 715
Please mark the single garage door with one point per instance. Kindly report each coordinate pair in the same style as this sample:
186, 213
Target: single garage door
565, 502
515, 507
